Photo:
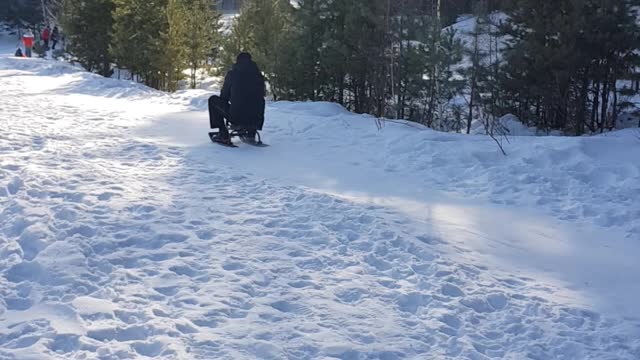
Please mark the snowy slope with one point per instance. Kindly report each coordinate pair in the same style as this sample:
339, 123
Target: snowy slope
124, 234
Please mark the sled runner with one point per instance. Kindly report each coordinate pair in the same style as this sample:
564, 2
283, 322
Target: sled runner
247, 136
244, 136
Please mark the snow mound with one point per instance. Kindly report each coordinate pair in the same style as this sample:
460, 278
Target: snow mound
508, 125
628, 120
196, 99
320, 109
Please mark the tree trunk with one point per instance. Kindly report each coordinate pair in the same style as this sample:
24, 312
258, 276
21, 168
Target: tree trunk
400, 75
474, 77
582, 105
614, 115
341, 89
470, 116
193, 77
604, 102
596, 105
44, 11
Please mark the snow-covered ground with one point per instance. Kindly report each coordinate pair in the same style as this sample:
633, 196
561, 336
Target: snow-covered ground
125, 234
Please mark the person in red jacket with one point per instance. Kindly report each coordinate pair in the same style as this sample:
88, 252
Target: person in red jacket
46, 35
27, 40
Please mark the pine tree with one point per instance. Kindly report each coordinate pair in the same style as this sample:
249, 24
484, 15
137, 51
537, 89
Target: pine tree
612, 39
451, 9
445, 84
307, 37
477, 55
346, 52
334, 53
22, 11
150, 40
353, 58
564, 61
413, 54
424, 78
202, 34
172, 59
137, 44
262, 29
88, 28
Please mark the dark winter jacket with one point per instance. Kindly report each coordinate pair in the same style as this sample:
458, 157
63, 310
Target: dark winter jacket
244, 87
55, 34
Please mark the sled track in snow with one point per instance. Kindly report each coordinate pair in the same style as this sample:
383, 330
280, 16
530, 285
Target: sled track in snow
115, 248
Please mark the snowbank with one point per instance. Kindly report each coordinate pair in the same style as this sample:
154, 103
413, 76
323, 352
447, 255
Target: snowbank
509, 124
319, 109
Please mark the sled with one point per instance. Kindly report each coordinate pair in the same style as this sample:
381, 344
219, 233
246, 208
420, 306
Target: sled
244, 137
243, 134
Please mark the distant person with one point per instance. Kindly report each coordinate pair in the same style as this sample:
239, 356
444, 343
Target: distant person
27, 40
241, 100
46, 35
55, 36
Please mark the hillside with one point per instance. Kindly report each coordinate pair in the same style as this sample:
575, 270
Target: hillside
126, 234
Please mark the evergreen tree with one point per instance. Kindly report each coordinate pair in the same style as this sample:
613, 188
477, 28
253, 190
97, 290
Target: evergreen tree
366, 46
307, 39
444, 81
451, 9
363, 54
238, 40
612, 38
137, 44
564, 60
202, 34
27, 12
476, 53
334, 53
172, 59
262, 29
539, 63
424, 57
150, 40
88, 28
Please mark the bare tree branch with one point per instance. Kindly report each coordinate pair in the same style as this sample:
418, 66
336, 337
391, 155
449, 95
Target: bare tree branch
499, 144
496, 131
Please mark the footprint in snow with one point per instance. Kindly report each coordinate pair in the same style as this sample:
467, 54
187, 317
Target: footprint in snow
233, 266
301, 284
412, 302
184, 270
148, 349
167, 290
289, 307
452, 290
350, 296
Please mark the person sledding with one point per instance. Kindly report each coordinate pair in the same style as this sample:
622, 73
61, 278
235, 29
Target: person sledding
241, 103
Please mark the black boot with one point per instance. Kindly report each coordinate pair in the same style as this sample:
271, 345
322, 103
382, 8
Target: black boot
221, 137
